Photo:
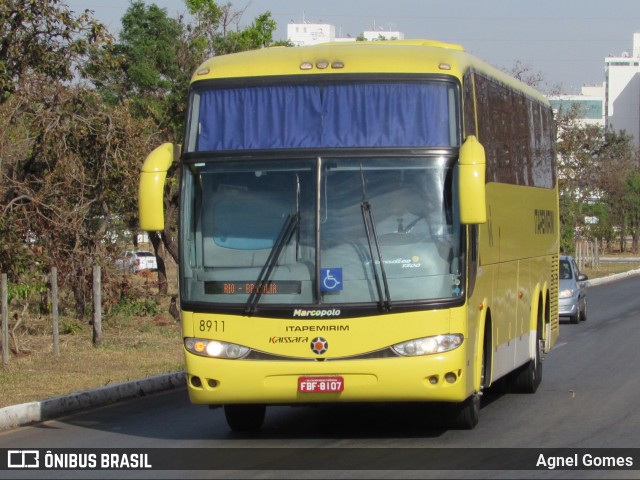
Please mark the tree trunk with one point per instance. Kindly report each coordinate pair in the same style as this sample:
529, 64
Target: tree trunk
79, 295
156, 241
171, 205
170, 244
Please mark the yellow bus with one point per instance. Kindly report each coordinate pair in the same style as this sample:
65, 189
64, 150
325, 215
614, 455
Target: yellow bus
361, 222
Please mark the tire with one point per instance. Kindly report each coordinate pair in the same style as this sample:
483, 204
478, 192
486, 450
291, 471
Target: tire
464, 415
583, 313
245, 418
527, 379
575, 318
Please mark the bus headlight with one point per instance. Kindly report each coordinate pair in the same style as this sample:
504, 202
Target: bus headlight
429, 345
215, 348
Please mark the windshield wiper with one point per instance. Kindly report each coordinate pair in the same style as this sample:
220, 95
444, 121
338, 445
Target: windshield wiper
290, 225
372, 240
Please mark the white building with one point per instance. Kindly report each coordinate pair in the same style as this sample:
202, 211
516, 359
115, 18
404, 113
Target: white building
622, 97
616, 104
373, 35
589, 105
310, 33
314, 33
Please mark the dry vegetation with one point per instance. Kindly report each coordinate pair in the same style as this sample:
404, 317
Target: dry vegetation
136, 343
134, 348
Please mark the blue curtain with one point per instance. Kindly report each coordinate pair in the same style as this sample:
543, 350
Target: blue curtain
353, 115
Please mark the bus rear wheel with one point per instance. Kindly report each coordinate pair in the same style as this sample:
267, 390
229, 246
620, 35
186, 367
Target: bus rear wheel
528, 378
245, 418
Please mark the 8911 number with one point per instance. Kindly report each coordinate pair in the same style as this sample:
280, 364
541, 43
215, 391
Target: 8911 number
211, 326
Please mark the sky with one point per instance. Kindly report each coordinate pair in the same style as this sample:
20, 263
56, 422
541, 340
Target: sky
564, 40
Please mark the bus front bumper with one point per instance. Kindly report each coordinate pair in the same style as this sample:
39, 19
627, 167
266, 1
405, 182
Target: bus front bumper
439, 377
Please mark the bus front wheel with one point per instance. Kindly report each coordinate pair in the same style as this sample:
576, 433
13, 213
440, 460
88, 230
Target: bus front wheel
464, 415
245, 418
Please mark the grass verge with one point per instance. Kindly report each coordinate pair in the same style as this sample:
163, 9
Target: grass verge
610, 268
139, 339
136, 348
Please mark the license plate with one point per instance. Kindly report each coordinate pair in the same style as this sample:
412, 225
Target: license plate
320, 384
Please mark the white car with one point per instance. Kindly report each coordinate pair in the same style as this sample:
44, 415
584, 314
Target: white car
134, 262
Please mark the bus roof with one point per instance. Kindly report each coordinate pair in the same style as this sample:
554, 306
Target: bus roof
335, 58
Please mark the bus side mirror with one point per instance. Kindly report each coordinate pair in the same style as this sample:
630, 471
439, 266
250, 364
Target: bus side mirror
471, 182
151, 188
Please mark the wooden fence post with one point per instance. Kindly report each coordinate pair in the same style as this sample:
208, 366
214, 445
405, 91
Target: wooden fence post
54, 310
97, 306
5, 320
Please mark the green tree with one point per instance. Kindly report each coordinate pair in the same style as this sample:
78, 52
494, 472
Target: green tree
153, 79
219, 27
576, 148
209, 18
258, 35
70, 162
615, 161
161, 55
632, 200
593, 165
43, 37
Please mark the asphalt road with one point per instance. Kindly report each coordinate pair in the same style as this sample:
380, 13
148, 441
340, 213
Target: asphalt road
588, 400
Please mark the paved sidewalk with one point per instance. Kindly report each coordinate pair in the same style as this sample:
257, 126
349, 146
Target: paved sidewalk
26, 413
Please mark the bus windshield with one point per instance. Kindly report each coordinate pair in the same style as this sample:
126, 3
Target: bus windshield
309, 231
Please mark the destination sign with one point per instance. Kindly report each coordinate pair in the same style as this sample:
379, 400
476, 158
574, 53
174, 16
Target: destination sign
272, 287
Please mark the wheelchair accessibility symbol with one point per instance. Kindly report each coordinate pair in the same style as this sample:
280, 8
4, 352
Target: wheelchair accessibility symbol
330, 279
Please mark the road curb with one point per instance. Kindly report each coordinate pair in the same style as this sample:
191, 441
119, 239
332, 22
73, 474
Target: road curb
26, 413
611, 278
